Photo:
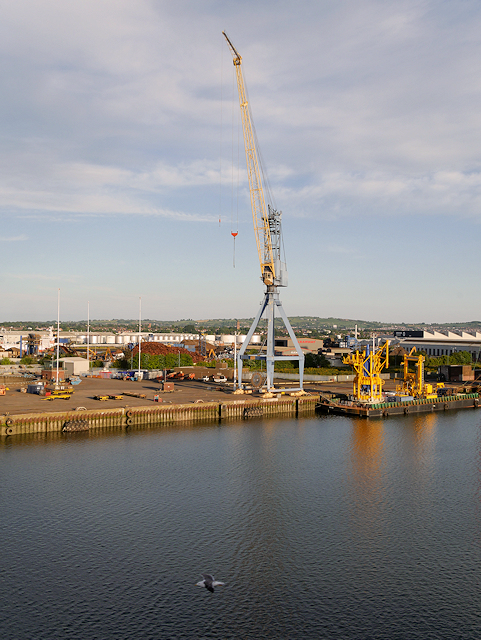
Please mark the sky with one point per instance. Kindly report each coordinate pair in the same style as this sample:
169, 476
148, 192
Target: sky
123, 176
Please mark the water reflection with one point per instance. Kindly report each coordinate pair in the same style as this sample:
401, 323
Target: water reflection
53, 437
424, 445
410, 450
367, 476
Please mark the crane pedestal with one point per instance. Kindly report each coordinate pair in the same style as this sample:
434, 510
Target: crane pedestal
270, 304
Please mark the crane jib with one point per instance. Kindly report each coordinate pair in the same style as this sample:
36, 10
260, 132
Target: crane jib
264, 231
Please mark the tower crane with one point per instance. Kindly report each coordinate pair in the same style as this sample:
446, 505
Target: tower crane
268, 233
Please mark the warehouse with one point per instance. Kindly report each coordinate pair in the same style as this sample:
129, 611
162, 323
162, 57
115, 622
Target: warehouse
437, 344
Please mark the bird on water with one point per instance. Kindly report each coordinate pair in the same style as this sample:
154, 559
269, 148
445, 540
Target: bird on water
208, 582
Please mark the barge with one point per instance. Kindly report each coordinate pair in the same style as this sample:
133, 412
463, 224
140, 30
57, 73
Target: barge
337, 406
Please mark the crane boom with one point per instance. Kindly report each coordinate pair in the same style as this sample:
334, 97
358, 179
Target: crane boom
267, 227
267, 221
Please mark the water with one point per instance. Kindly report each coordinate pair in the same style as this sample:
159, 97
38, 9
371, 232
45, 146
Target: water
320, 527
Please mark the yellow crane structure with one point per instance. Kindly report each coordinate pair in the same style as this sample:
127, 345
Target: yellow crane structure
268, 233
413, 383
368, 364
259, 211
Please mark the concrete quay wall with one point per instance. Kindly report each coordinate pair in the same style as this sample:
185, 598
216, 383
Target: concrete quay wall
123, 418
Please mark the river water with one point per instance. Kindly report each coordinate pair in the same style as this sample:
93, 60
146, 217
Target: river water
321, 527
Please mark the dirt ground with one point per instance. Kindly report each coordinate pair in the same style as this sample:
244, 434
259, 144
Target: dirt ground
15, 402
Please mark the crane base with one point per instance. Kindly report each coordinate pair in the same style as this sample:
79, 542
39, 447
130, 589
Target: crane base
269, 305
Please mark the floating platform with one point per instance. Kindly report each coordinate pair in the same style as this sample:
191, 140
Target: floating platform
385, 409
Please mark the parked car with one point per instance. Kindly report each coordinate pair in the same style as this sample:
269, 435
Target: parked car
217, 377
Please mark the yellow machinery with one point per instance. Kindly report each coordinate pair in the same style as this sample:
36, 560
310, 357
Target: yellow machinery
207, 352
108, 357
267, 228
59, 392
368, 365
258, 204
413, 383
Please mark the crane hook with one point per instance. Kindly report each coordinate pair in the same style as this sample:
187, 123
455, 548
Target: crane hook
233, 234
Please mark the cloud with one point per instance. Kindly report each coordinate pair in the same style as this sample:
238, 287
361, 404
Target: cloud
78, 189
20, 238
385, 194
114, 110
41, 276
108, 106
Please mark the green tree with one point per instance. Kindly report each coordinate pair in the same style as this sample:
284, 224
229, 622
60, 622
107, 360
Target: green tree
316, 360
459, 357
210, 364
5, 361
288, 366
121, 363
162, 362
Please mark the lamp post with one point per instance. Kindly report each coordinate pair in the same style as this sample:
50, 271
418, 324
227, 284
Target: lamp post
58, 331
88, 335
140, 331
235, 360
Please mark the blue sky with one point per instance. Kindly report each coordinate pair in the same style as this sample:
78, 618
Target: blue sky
119, 122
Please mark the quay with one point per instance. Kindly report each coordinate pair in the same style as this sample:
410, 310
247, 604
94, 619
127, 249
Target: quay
133, 405
146, 416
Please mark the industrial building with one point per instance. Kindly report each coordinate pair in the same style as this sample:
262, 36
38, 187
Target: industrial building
285, 346
28, 343
437, 344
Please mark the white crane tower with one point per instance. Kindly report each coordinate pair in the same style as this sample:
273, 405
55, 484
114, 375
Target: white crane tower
268, 232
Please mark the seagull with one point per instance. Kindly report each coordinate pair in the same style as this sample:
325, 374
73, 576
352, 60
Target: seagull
208, 582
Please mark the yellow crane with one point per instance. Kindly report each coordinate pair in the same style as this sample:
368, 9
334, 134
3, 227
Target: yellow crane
413, 383
259, 210
368, 365
268, 233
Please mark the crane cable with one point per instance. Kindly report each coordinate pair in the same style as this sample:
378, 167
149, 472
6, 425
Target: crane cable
269, 195
265, 177
235, 233
220, 142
